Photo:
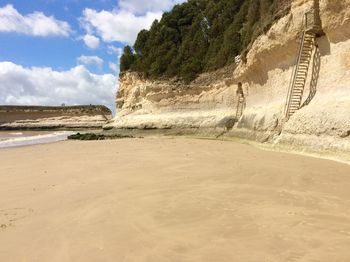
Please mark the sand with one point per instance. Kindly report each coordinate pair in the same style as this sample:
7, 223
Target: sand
171, 200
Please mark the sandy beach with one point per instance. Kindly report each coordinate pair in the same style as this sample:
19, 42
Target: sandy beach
164, 199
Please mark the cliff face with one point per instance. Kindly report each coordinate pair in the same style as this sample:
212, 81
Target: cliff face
41, 117
210, 101
204, 103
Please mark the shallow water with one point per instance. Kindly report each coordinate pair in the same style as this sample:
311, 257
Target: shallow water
25, 138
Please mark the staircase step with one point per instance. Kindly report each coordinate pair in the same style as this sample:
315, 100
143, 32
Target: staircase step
293, 109
296, 107
297, 93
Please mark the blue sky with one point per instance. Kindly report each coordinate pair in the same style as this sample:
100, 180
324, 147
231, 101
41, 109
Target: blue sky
67, 51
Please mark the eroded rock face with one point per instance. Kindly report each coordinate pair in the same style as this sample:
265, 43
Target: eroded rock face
144, 103
36, 117
211, 99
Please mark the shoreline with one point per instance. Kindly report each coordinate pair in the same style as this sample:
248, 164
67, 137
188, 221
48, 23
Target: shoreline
340, 157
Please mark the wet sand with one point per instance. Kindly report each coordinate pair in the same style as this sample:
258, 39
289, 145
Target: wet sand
171, 200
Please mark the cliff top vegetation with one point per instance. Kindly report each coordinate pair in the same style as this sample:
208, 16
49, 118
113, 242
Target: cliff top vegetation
199, 36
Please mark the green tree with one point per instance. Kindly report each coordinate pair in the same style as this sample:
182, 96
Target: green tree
127, 59
199, 36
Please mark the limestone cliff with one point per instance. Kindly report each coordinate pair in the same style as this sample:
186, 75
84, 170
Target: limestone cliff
210, 101
45, 117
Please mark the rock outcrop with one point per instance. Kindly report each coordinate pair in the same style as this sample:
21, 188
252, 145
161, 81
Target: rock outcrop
44, 117
210, 102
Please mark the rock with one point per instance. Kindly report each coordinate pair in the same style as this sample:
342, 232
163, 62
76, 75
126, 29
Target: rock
33, 117
210, 101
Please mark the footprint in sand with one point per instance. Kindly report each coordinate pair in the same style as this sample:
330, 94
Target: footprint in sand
8, 217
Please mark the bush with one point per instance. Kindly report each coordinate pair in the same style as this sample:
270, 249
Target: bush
198, 36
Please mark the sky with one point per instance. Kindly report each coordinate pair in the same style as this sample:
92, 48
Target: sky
67, 51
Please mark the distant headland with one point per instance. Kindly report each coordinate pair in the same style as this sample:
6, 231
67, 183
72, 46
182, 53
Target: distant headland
53, 117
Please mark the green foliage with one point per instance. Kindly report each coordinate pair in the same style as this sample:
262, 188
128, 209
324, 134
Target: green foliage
127, 59
199, 36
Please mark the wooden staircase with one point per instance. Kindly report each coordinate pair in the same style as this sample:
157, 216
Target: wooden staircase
300, 73
240, 106
308, 47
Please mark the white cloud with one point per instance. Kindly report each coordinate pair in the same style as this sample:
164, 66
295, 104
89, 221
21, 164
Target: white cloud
142, 7
124, 22
114, 67
91, 41
120, 25
112, 50
90, 60
44, 86
35, 24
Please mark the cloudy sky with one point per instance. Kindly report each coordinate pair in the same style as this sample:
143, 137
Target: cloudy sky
67, 51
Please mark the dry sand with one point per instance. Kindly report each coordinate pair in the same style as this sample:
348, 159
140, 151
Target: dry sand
171, 200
